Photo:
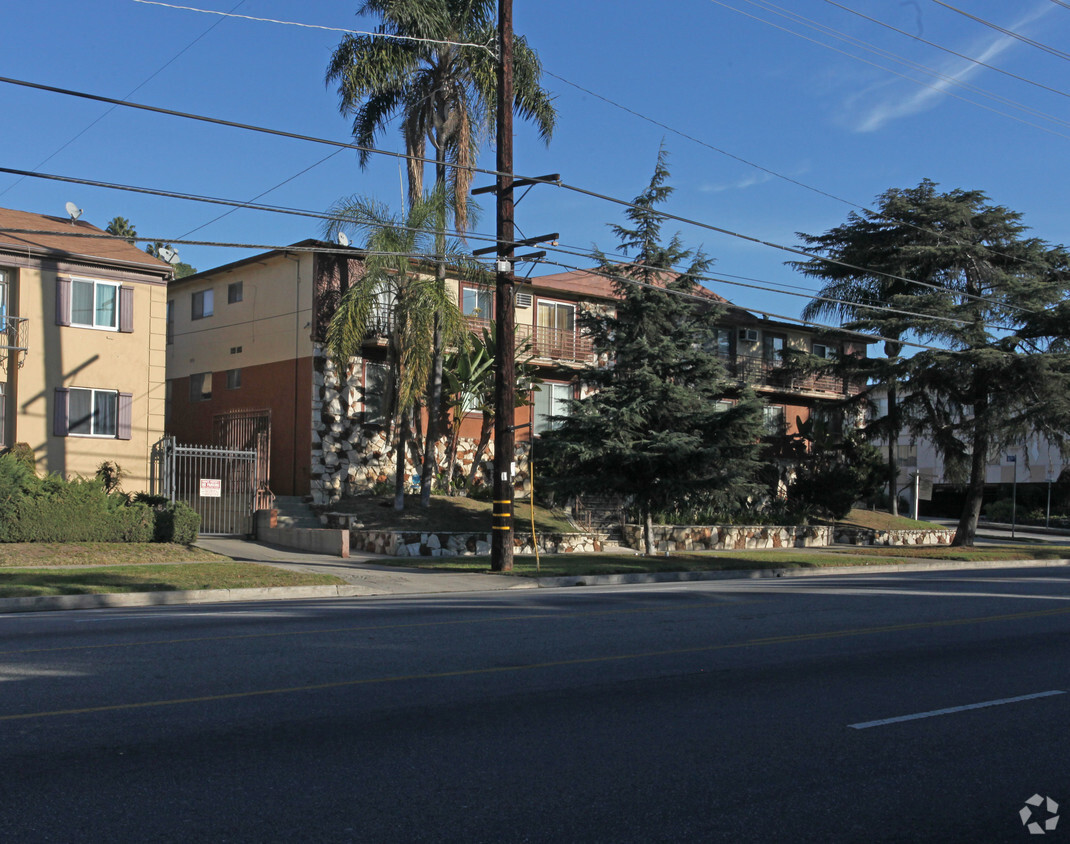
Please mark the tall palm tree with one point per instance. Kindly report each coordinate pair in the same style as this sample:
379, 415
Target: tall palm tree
432, 64
393, 287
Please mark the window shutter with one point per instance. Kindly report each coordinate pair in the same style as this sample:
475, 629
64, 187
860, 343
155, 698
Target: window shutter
63, 301
126, 309
61, 413
126, 404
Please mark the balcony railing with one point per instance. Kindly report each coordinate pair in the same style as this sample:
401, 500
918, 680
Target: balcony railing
13, 331
546, 344
754, 369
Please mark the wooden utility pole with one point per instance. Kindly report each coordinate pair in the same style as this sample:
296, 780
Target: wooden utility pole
501, 551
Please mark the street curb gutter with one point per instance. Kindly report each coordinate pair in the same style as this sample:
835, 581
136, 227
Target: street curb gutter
45, 603
755, 574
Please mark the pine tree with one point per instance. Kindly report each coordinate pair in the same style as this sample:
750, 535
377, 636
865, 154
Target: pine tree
994, 310
664, 424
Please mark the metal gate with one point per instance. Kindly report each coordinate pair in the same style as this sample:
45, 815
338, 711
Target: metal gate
219, 483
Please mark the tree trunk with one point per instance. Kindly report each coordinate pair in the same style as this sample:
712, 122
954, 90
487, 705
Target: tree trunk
399, 471
485, 430
893, 467
648, 530
434, 392
975, 489
451, 456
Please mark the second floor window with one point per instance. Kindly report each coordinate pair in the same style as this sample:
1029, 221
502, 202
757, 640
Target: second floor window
200, 386
773, 348
94, 304
93, 412
203, 304
477, 302
234, 292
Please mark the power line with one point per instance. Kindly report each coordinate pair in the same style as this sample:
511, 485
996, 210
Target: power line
948, 80
134, 90
952, 52
533, 179
318, 26
1009, 32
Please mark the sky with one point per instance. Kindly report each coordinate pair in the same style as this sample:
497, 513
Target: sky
774, 122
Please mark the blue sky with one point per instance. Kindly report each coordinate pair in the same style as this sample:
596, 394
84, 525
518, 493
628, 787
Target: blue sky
732, 74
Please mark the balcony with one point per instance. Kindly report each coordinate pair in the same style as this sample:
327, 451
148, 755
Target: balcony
14, 333
546, 344
756, 370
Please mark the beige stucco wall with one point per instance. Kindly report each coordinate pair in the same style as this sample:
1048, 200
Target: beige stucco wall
272, 322
71, 356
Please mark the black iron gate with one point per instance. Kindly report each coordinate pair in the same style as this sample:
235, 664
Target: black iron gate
219, 483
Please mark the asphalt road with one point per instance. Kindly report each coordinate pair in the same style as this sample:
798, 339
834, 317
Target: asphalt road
717, 711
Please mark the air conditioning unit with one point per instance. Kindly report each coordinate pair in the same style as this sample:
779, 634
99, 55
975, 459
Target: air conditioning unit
749, 335
523, 300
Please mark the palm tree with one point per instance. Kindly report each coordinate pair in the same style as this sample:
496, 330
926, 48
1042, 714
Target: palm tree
431, 62
393, 287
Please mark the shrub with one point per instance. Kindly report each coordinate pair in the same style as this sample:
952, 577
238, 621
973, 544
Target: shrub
173, 522
1000, 511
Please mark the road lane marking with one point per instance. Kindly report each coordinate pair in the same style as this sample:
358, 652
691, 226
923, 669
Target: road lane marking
865, 725
504, 669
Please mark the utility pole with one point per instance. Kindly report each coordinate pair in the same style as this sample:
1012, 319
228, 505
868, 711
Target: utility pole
501, 549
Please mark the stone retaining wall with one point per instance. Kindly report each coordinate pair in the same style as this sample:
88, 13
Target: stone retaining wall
466, 544
863, 536
729, 537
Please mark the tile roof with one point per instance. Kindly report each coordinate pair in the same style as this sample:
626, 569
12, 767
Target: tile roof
58, 236
593, 283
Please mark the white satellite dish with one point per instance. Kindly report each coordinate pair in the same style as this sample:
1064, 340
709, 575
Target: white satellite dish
166, 253
74, 211
343, 239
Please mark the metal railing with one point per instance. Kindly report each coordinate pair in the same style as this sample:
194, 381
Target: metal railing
755, 369
14, 331
219, 483
546, 344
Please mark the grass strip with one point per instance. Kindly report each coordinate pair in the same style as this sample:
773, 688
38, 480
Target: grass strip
567, 565
43, 554
153, 578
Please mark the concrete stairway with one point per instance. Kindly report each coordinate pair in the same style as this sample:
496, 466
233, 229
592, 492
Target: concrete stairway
295, 512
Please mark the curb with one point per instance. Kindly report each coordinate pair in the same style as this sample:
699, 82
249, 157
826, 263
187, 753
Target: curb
46, 603
757, 574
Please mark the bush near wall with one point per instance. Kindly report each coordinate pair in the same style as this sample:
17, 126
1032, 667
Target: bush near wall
53, 509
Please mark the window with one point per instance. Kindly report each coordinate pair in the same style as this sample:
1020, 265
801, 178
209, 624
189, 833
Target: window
170, 321
720, 343
3, 294
233, 379
477, 302
824, 350
773, 348
200, 386
773, 417
94, 304
234, 292
550, 400
376, 398
203, 303
86, 412
555, 332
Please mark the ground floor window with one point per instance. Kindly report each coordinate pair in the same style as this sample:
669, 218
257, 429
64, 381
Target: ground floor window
551, 400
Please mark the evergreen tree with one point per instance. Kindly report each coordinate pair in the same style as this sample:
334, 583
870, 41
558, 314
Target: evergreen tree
995, 312
664, 424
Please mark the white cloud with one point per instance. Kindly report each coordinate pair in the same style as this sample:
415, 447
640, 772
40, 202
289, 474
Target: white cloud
959, 71
739, 184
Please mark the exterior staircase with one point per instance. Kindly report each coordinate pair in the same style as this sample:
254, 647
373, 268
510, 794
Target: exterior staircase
292, 524
600, 514
294, 511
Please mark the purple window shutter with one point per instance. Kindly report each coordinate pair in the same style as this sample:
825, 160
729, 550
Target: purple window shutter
61, 413
126, 309
126, 405
63, 301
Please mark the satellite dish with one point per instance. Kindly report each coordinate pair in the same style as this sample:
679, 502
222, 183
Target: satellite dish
343, 239
166, 253
74, 211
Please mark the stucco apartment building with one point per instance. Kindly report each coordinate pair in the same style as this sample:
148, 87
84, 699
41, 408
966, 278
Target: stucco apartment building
82, 368
246, 367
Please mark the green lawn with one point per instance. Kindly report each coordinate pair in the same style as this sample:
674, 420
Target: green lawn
85, 580
41, 554
445, 515
879, 520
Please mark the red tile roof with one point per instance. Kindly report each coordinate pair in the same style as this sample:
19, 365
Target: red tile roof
594, 283
58, 236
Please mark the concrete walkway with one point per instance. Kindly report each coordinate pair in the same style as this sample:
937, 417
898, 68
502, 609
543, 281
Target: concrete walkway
362, 570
